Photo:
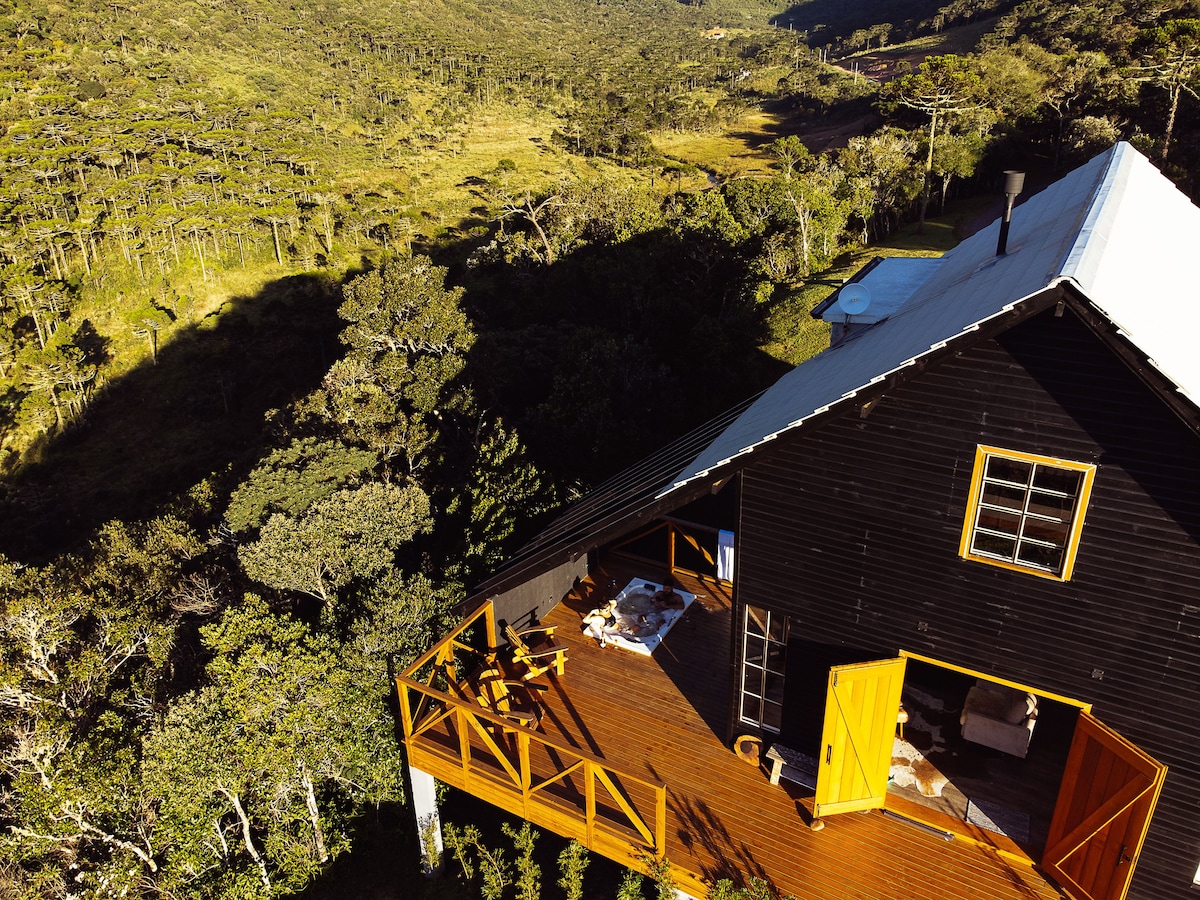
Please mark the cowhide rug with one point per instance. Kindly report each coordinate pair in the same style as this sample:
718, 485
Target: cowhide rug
910, 767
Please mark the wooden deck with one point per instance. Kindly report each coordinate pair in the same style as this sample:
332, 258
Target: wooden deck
660, 721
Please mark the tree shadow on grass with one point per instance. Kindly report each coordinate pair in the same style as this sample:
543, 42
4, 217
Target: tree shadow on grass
836, 17
161, 428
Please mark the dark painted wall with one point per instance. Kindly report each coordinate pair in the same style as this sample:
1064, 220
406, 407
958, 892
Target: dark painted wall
854, 530
530, 601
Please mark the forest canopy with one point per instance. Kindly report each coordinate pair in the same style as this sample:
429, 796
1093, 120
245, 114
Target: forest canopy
310, 315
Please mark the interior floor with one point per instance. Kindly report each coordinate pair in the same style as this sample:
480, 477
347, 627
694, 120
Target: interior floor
936, 768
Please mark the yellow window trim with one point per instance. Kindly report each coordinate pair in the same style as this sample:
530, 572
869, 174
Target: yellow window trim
982, 452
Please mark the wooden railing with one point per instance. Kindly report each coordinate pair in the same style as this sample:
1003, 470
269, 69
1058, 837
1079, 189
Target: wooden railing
543, 779
702, 539
439, 667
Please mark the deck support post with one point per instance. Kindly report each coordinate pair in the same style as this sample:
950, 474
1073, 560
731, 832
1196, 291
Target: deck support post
429, 823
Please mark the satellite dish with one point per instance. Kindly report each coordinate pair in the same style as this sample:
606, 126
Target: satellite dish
854, 299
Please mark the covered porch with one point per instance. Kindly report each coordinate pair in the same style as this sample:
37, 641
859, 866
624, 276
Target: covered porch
631, 759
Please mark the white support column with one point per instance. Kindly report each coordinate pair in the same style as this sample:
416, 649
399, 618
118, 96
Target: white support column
429, 824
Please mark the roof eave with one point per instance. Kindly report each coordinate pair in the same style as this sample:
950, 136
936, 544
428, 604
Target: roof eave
1113, 337
679, 494
1010, 315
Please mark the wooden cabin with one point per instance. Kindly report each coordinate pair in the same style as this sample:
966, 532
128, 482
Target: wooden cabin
944, 593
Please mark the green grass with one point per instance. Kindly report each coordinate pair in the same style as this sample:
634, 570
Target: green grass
796, 335
438, 181
938, 237
438, 177
738, 150
435, 184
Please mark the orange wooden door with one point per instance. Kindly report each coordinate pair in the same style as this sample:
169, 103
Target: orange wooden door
856, 743
1104, 807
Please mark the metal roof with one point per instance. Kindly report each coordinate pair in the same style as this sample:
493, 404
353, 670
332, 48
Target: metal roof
1116, 229
891, 284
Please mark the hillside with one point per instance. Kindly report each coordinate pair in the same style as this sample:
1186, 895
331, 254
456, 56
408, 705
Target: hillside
311, 314
155, 166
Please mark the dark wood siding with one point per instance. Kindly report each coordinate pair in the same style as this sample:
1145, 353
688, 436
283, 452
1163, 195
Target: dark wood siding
854, 530
529, 602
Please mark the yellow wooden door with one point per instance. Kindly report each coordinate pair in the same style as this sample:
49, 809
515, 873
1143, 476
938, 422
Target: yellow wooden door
856, 743
1104, 807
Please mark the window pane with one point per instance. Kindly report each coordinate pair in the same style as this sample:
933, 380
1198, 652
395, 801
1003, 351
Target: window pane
994, 545
755, 619
752, 680
773, 716
1063, 481
997, 520
754, 651
764, 644
1051, 505
1047, 532
1042, 557
1025, 510
774, 691
776, 656
1004, 495
751, 708
1013, 470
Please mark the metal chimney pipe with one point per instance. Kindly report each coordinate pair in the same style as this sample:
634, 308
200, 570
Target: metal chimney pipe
1014, 182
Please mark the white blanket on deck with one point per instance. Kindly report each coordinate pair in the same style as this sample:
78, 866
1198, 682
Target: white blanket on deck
623, 633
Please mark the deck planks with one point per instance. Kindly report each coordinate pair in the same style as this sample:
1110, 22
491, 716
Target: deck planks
664, 717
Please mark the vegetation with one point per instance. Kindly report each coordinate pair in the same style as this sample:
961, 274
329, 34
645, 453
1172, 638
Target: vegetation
309, 317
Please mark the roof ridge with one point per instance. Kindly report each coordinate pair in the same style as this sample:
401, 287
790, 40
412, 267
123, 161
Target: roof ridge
1079, 260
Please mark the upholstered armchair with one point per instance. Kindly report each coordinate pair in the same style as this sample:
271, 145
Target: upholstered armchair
999, 717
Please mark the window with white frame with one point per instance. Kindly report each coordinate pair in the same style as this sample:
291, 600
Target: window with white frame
1026, 512
764, 653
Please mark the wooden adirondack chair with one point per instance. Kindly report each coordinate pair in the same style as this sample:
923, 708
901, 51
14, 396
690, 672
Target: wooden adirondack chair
514, 700
536, 649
